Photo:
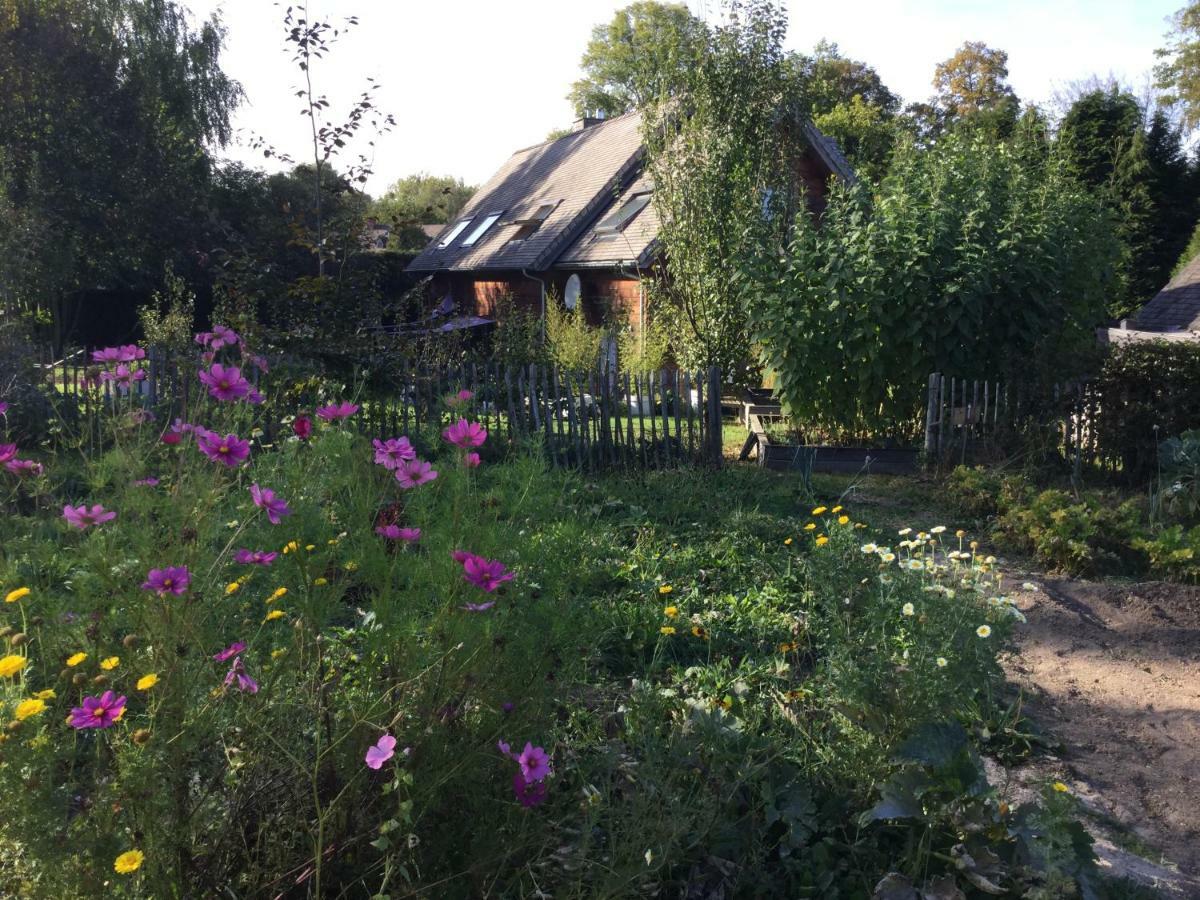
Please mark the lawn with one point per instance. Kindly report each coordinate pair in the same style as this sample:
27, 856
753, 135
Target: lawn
603, 686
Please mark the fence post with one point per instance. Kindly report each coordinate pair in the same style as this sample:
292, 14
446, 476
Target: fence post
714, 415
931, 410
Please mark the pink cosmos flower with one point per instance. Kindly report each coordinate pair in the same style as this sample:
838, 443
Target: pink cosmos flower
171, 580
264, 498
3, 408
232, 650
220, 336
534, 763
230, 450
393, 451
24, 467
260, 363
383, 750
485, 574
81, 517
414, 472
465, 434
146, 482
126, 353
244, 681
171, 438
396, 533
459, 399
337, 411
123, 376
254, 557
460, 556
7, 452
254, 398
529, 794
141, 416
225, 382
478, 607
471, 460
98, 712
303, 427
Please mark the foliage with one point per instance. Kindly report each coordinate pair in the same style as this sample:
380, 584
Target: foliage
643, 53
518, 339
715, 149
714, 675
1140, 171
970, 258
417, 200
643, 349
1144, 393
973, 79
574, 344
105, 115
1188, 253
1179, 72
170, 320
1178, 494
864, 132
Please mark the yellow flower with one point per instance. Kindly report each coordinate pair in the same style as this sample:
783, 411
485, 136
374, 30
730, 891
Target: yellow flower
19, 594
671, 612
147, 681
984, 631
310, 547
667, 629
27, 708
908, 609
75, 660
279, 592
818, 511
291, 546
665, 589
836, 509
232, 588
110, 663
129, 861
319, 582
788, 647
351, 566
960, 534
843, 520
11, 665
47, 694
274, 614
700, 631
275, 654
1061, 788
787, 542
822, 541
810, 527
974, 545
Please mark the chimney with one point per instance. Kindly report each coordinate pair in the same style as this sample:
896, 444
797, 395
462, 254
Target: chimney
588, 121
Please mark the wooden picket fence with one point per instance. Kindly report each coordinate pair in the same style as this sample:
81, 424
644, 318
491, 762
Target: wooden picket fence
591, 420
970, 419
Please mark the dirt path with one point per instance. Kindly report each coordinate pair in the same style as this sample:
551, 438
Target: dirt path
1113, 672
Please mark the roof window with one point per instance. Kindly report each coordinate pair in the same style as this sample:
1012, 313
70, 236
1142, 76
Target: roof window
530, 219
488, 221
454, 232
623, 215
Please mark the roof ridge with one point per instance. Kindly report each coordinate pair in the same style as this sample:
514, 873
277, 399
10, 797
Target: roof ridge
572, 133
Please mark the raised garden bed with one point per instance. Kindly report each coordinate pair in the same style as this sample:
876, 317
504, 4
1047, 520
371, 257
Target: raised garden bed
877, 461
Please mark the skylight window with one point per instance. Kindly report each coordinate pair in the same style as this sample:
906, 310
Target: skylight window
623, 215
454, 232
530, 219
489, 220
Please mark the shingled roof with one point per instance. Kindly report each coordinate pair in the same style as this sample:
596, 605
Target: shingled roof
1177, 306
547, 205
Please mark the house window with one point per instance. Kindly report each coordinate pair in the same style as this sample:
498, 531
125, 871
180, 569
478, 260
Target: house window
623, 215
454, 232
531, 219
488, 221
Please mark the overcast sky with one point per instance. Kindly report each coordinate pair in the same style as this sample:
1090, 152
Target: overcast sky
470, 81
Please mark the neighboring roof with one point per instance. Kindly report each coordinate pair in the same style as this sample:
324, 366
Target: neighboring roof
432, 231
579, 172
1177, 306
587, 175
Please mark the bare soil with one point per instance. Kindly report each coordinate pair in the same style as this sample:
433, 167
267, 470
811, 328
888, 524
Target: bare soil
1113, 672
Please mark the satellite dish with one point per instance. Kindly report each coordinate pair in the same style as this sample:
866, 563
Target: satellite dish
571, 294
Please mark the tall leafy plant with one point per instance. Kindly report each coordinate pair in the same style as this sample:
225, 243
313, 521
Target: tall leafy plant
971, 258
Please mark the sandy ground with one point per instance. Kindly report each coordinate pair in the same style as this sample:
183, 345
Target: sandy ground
1113, 672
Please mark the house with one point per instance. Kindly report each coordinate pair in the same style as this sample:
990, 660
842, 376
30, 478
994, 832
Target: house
1173, 314
572, 218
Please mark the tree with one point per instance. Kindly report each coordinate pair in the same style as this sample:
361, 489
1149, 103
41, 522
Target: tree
968, 259
417, 200
975, 78
107, 108
1179, 72
644, 52
718, 152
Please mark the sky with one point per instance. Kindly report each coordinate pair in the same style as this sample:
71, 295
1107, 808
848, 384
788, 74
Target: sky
471, 81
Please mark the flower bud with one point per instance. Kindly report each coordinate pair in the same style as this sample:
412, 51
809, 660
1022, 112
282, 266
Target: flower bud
18, 639
100, 679
130, 641
141, 737
78, 678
